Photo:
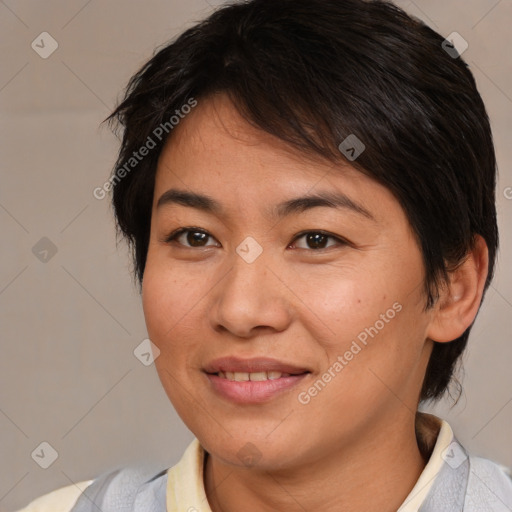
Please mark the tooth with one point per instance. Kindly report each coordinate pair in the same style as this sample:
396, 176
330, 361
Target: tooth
258, 376
222, 375
230, 375
274, 375
241, 376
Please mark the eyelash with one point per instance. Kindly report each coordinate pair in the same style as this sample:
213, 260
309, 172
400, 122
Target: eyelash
177, 233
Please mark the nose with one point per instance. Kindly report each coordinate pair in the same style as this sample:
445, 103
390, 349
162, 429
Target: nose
251, 298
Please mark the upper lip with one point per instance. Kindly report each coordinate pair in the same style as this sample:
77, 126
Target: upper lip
253, 365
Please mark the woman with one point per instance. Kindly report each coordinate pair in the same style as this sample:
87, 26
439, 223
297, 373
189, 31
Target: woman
308, 188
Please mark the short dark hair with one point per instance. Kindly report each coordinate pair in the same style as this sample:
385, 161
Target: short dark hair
312, 72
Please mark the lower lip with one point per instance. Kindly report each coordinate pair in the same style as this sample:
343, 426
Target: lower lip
253, 392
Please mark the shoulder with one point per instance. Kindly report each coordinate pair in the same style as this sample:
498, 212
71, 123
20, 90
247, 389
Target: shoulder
60, 500
121, 489
487, 470
454, 479
488, 484
139, 486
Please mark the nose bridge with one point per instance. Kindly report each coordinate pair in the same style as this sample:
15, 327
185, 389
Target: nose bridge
250, 295
248, 280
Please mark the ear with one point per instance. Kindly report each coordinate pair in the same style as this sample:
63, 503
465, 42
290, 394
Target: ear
460, 299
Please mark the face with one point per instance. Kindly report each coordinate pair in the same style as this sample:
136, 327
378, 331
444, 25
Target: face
287, 303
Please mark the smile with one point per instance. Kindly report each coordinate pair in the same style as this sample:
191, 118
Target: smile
252, 381
253, 377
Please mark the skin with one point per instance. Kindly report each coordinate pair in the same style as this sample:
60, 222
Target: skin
353, 446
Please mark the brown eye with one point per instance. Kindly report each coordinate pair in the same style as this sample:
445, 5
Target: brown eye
196, 238
317, 240
190, 237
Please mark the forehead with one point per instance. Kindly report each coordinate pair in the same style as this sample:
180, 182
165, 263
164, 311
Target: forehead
215, 129
215, 151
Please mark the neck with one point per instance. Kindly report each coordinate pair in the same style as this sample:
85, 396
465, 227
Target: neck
374, 474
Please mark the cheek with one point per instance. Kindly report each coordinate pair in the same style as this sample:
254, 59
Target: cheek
381, 357
372, 320
169, 298
167, 303
158, 302
343, 301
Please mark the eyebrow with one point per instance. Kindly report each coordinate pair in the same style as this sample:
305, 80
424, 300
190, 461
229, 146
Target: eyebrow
291, 206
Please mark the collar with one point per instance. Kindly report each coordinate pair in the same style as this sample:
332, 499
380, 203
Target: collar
185, 487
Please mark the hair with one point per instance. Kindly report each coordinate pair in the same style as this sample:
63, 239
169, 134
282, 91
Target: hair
313, 72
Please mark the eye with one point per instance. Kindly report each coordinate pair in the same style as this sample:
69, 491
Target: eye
191, 237
318, 240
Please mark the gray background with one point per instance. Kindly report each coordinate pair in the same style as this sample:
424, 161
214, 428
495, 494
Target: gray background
68, 375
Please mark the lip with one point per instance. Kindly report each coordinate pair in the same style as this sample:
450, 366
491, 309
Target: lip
253, 392
255, 364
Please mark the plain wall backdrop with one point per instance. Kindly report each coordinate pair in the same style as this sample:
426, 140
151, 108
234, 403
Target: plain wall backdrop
70, 316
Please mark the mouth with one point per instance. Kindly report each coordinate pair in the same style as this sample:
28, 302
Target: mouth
252, 377
256, 380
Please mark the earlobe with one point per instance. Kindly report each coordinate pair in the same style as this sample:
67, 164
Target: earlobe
460, 299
